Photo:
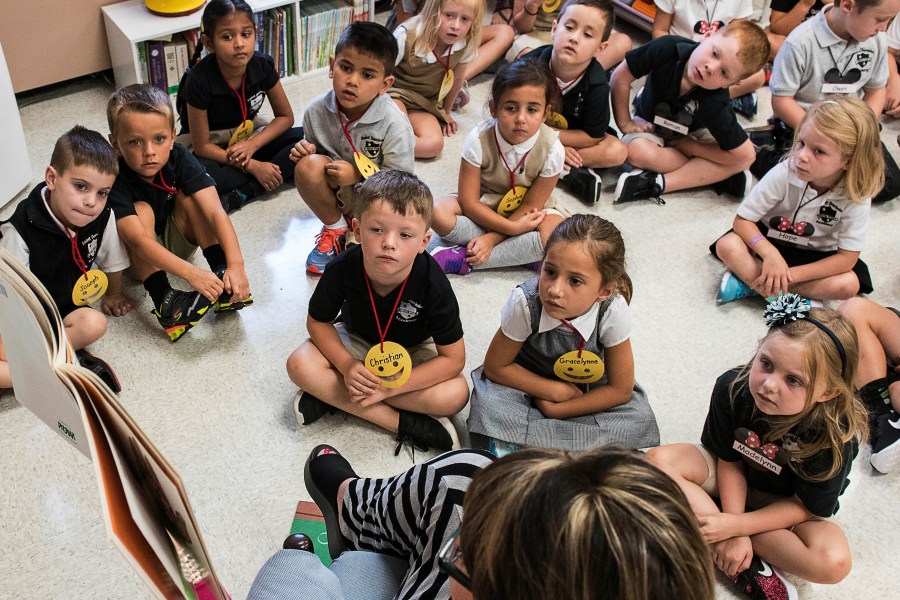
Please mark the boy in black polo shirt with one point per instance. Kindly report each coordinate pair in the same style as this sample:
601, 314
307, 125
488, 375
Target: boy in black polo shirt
166, 205
581, 30
396, 352
685, 98
65, 234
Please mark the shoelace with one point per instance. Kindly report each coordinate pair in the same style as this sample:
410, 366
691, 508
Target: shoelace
407, 439
328, 239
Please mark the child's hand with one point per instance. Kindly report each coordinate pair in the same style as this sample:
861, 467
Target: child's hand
892, 101
236, 284
301, 149
775, 277
479, 250
733, 555
360, 382
637, 125
206, 283
533, 5
450, 127
377, 395
340, 172
716, 527
117, 305
267, 174
530, 221
239, 154
573, 159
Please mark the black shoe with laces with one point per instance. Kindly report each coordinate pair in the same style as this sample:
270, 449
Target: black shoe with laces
583, 184
885, 438
179, 311
100, 368
638, 185
308, 409
738, 185
425, 433
224, 302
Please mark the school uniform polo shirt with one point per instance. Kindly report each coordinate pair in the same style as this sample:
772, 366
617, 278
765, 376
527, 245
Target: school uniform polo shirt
585, 105
663, 61
813, 50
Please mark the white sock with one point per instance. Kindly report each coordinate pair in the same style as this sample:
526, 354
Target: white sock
339, 224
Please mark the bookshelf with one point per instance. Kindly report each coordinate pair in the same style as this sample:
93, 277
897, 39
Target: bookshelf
626, 12
129, 24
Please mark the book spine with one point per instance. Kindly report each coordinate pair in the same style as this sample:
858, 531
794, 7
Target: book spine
142, 58
171, 59
157, 65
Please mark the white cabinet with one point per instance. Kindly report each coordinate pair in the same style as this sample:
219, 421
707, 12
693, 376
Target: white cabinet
15, 166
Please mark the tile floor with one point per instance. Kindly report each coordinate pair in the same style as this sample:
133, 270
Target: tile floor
218, 403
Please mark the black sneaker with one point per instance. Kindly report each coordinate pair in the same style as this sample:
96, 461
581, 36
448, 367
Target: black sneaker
745, 105
308, 409
426, 433
582, 183
100, 368
762, 582
224, 302
638, 185
885, 446
738, 185
179, 311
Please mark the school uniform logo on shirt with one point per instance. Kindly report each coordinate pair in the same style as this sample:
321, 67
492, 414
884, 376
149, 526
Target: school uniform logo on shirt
255, 102
829, 214
761, 456
91, 244
408, 311
371, 146
863, 58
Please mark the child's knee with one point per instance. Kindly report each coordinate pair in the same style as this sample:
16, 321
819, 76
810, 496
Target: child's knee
87, 324
429, 144
616, 151
642, 152
304, 362
310, 168
730, 246
845, 286
457, 394
855, 309
446, 208
836, 564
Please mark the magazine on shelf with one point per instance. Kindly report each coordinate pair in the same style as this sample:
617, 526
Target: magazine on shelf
144, 503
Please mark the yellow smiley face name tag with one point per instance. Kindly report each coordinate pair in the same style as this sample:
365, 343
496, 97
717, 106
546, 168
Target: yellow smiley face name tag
556, 120
511, 200
446, 84
586, 368
366, 167
90, 287
242, 133
550, 5
392, 365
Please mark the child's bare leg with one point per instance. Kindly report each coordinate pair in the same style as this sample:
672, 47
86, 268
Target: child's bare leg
747, 85
878, 330
309, 178
646, 154
429, 137
697, 172
688, 468
614, 53
84, 326
442, 400
142, 268
836, 287
551, 220
815, 550
495, 41
608, 152
732, 251
192, 223
446, 209
310, 371
5, 378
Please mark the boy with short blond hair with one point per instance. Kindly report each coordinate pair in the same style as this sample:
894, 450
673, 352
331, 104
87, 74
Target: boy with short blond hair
66, 235
580, 31
386, 340
349, 132
166, 205
684, 103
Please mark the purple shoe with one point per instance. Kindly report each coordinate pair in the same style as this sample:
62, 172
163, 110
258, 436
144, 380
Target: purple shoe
452, 259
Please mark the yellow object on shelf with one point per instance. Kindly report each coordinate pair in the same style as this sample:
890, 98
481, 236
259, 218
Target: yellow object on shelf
174, 8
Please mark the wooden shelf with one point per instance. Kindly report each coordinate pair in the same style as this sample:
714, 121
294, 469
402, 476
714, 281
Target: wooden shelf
637, 18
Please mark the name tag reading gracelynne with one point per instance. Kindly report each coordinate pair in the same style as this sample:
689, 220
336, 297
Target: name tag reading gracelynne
784, 236
673, 125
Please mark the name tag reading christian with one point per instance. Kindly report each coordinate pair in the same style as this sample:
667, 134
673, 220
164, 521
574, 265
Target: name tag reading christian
673, 125
788, 237
90, 287
390, 362
756, 457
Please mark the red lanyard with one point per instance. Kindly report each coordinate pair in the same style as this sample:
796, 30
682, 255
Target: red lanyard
575, 331
76, 254
164, 186
512, 172
381, 333
346, 127
446, 66
242, 97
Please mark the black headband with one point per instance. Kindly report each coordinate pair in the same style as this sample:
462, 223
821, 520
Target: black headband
792, 307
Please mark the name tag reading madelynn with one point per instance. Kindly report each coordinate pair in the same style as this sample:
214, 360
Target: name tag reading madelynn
669, 124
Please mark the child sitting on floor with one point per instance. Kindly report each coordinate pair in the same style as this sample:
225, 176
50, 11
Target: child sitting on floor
560, 372
395, 354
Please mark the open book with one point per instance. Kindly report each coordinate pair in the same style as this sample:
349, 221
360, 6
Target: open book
145, 506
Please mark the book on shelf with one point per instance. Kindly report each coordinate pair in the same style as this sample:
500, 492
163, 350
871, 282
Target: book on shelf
156, 62
143, 500
320, 26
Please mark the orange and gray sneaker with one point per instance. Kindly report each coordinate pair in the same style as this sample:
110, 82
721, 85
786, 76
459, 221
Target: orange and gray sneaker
179, 311
328, 245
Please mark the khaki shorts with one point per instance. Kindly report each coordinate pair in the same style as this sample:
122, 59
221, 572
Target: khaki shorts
531, 40
701, 134
358, 347
172, 240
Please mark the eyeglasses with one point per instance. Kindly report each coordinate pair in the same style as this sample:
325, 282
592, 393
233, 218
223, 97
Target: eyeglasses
449, 556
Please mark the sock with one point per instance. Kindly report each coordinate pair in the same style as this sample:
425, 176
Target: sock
341, 223
519, 250
157, 285
215, 258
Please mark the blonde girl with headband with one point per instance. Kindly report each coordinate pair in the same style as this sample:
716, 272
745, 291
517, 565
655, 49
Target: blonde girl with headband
802, 227
436, 46
776, 449
560, 371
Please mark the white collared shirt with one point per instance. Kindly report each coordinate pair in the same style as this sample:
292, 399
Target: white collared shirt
429, 58
512, 153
